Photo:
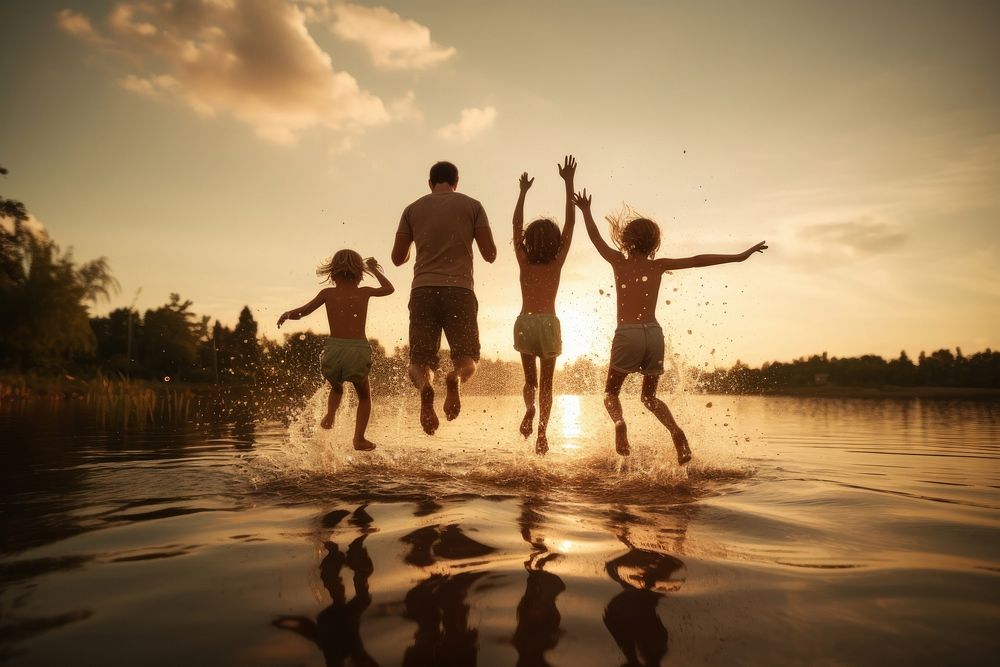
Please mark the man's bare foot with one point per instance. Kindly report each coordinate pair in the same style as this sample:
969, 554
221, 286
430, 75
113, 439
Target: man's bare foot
452, 400
428, 418
621, 439
327, 421
363, 445
529, 416
541, 444
681, 445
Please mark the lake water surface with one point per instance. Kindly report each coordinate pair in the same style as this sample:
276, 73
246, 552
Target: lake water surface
805, 531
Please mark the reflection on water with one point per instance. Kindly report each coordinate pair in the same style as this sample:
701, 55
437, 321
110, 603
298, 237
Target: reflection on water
859, 532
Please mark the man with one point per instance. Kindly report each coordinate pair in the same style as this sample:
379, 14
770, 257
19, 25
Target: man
442, 225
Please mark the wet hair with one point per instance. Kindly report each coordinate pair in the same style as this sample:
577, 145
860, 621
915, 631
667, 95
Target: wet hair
634, 234
344, 265
541, 241
444, 172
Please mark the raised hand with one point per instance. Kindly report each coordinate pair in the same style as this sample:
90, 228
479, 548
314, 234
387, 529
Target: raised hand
281, 320
760, 247
372, 266
525, 182
582, 200
568, 168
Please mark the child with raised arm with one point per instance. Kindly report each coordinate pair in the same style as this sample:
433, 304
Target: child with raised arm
638, 341
541, 252
348, 356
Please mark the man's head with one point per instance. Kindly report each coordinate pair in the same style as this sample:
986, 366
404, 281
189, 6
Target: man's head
443, 173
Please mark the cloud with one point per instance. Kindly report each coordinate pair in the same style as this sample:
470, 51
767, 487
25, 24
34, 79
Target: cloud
392, 41
252, 59
859, 238
472, 123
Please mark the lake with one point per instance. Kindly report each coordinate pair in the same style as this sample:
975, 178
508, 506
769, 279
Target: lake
805, 531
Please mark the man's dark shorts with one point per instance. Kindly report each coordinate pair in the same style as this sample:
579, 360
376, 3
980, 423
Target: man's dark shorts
453, 310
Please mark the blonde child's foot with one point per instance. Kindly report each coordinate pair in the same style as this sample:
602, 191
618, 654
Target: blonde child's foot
621, 439
452, 400
428, 418
529, 416
541, 444
681, 445
363, 445
327, 421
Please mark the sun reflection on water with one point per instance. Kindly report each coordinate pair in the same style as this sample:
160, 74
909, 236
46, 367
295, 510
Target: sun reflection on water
568, 406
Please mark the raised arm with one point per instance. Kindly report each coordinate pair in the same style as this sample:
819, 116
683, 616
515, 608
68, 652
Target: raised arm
582, 200
299, 313
567, 170
524, 184
697, 261
385, 287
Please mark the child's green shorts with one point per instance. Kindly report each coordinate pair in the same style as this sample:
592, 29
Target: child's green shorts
346, 360
538, 334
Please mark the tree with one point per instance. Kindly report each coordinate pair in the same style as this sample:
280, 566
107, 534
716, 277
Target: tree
170, 339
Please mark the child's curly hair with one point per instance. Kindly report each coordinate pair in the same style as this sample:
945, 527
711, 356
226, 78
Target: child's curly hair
633, 233
541, 241
345, 265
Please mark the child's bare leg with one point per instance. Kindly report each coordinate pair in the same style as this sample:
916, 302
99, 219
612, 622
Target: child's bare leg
332, 403
363, 390
544, 404
465, 368
614, 407
662, 412
421, 376
530, 384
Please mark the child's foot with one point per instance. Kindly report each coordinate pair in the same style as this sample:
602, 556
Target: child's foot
541, 444
452, 401
621, 439
363, 444
529, 416
681, 445
327, 421
428, 418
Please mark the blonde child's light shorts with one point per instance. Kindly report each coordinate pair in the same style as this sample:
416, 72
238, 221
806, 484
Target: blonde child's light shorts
346, 360
538, 334
638, 348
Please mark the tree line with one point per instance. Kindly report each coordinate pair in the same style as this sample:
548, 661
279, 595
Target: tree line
46, 294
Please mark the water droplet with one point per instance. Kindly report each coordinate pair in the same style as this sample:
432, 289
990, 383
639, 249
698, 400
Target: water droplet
166, 378
623, 285
668, 302
601, 292
689, 331
709, 404
644, 279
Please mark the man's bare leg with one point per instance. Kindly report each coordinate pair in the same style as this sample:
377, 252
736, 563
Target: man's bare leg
544, 404
363, 390
614, 407
422, 376
530, 383
465, 368
332, 403
662, 412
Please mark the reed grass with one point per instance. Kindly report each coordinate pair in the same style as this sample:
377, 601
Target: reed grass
124, 403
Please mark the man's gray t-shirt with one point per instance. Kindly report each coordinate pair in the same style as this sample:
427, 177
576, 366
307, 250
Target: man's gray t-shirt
443, 226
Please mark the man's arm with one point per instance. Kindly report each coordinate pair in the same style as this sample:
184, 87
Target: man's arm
385, 287
401, 248
299, 313
582, 200
567, 171
524, 184
487, 248
668, 264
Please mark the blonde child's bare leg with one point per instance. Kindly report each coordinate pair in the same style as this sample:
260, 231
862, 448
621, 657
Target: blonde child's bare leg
530, 384
614, 407
464, 368
662, 412
548, 369
364, 412
332, 403
422, 378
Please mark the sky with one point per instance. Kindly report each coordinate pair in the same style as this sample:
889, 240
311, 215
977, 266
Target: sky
221, 149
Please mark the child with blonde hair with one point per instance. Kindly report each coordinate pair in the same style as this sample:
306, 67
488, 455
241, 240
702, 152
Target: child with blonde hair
347, 356
541, 252
638, 341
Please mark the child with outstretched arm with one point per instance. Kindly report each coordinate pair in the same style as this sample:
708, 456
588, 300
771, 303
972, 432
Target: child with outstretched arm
638, 341
541, 251
347, 356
